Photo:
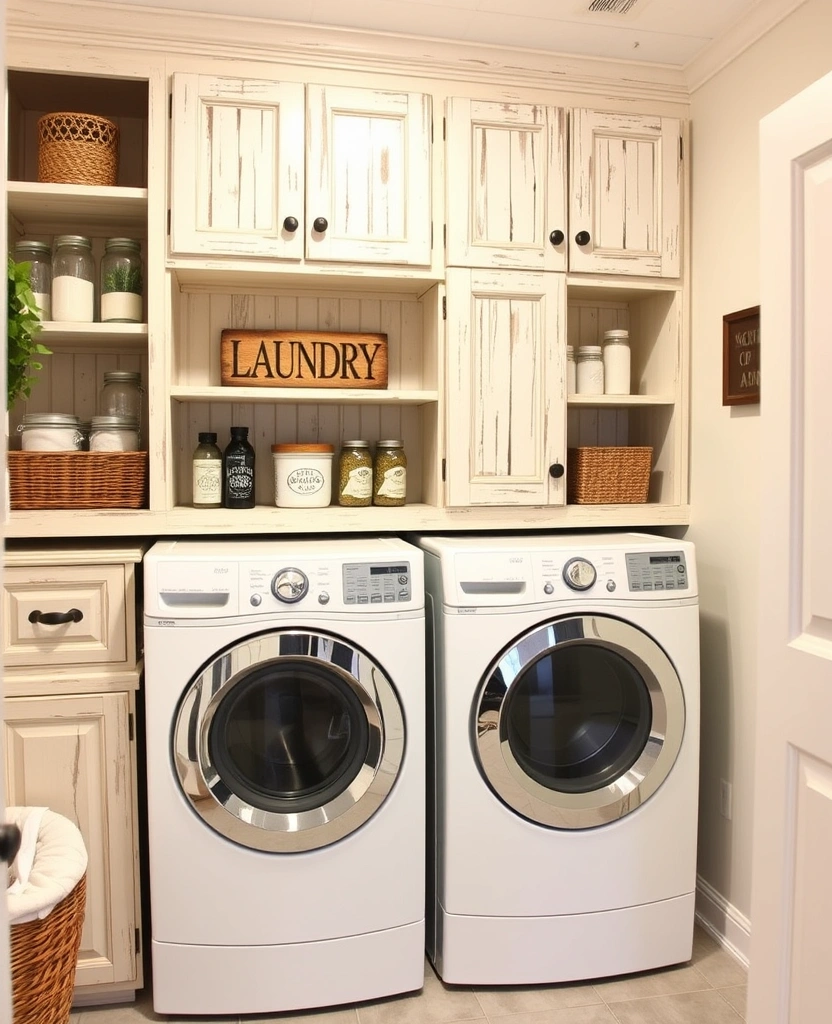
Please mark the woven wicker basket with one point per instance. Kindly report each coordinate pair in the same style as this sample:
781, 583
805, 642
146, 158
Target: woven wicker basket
44, 955
608, 476
77, 149
41, 480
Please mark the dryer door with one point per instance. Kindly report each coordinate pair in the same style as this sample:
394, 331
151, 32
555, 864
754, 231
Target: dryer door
579, 721
288, 741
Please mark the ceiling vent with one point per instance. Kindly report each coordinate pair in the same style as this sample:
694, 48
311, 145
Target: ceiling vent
611, 6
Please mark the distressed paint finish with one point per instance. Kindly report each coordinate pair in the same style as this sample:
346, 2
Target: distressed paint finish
506, 184
369, 175
506, 356
238, 167
625, 190
72, 754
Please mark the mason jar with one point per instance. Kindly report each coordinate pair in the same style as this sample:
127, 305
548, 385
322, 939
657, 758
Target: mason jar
73, 273
590, 370
121, 281
389, 474
121, 394
50, 432
39, 255
114, 434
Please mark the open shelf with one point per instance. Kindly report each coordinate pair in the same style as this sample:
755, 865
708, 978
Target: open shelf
129, 337
618, 401
300, 396
61, 208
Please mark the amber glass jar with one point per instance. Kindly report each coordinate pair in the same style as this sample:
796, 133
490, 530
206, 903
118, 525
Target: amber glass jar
390, 474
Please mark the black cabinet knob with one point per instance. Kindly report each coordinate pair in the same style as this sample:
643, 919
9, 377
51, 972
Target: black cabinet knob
556, 237
320, 224
9, 842
56, 618
582, 238
556, 470
290, 224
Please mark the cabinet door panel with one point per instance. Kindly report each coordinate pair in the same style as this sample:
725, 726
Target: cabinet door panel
625, 175
369, 176
507, 396
237, 167
72, 755
506, 185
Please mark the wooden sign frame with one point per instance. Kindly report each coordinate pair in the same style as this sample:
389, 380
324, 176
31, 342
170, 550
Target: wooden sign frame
741, 357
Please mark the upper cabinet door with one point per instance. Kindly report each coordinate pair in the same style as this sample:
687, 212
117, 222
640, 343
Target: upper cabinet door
625, 188
506, 185
507, 409
237, 167
368, 189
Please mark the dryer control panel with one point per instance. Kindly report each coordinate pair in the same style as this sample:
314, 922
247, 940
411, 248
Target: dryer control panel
376, 583
665, 570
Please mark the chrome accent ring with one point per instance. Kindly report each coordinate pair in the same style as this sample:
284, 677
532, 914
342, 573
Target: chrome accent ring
554, 808
271, 831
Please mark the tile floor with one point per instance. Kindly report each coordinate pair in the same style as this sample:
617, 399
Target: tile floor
708, 990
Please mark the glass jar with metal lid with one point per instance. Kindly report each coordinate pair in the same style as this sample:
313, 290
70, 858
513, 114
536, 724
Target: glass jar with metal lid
121, 281
355, 475
39, 255
390, 474
114, 434
121, 394
73, 273
50, 432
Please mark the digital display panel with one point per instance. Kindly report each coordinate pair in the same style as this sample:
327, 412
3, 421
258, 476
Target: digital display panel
657, 559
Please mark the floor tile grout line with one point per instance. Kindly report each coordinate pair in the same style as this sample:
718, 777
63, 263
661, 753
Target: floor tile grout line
707, 987
742, 1016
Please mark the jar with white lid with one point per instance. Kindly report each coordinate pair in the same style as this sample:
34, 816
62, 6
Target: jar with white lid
302, 475
617, 362
571, 372
73, 273
590, 370
39, 256
114, 434
50, 432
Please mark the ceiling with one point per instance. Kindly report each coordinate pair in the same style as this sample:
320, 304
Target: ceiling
671, 32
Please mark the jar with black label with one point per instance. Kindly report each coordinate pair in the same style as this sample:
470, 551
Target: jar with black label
238, 471
355, 475
390, 474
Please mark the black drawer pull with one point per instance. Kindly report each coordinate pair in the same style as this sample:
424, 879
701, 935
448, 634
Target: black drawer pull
56, 618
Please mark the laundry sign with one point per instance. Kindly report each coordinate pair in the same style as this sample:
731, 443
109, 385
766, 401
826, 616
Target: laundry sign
303, 359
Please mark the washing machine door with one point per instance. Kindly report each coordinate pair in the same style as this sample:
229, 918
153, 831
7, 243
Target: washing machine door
288, 741
579, 721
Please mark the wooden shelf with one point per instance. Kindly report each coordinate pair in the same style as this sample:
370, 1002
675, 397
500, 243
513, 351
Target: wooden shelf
316, 396
65, 207
56, 335
618, 401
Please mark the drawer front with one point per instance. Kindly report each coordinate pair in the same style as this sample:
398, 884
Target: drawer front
64, 615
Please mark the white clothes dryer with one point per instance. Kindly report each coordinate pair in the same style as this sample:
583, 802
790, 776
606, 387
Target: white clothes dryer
566, 739
285, 695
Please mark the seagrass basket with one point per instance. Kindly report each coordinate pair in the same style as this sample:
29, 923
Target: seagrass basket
608, 476
44, 955
68, 480
77, 149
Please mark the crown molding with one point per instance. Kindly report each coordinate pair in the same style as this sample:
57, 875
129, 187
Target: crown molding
742, 34
85, 23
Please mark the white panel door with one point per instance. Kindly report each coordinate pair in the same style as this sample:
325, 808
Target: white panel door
506, 422
368, 184
72, 755
625, 181
237, 170
791, 904
506, 185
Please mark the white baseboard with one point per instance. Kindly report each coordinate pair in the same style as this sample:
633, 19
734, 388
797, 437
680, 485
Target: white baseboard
730, 928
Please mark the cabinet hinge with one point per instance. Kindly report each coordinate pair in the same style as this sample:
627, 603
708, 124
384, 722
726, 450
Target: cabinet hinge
444, 308
444, 236
130, 728
431, 236
681, 148
443, 471
137, 940
444, 122
170, 106
168, 221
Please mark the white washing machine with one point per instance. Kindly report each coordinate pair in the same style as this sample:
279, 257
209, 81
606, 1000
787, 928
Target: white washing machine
566, 728
285, 696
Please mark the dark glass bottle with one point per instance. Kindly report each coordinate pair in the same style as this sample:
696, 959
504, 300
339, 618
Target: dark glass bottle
238, 471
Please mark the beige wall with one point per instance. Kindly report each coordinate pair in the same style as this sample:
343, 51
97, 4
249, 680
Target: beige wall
730, 476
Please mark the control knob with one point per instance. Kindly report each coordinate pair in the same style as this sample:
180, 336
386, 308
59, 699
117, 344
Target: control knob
579, 574
290, 585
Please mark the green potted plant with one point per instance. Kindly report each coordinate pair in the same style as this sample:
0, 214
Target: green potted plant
23, 327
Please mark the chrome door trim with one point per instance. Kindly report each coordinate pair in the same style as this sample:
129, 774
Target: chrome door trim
251, 826
554, 808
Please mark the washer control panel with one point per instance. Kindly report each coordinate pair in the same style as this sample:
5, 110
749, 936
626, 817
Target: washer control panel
648, 571
377, 583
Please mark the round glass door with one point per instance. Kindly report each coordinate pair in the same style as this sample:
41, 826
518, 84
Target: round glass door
288, 741
579, 721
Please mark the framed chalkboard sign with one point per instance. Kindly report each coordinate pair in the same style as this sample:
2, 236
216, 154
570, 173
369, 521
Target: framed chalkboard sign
741, 357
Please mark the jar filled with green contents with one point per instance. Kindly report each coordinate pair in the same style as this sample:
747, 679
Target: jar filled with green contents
355, 475
390, 474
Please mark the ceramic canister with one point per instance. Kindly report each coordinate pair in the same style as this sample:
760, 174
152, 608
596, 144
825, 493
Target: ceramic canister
302, 475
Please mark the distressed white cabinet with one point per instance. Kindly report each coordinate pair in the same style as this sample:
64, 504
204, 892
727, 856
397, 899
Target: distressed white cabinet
506, 185
506, 388
280, 170
625, 190
71, 673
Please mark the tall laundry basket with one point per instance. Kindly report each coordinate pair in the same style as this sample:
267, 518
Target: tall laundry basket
47, 899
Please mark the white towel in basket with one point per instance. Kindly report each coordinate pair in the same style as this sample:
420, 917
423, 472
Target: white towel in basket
50, 863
